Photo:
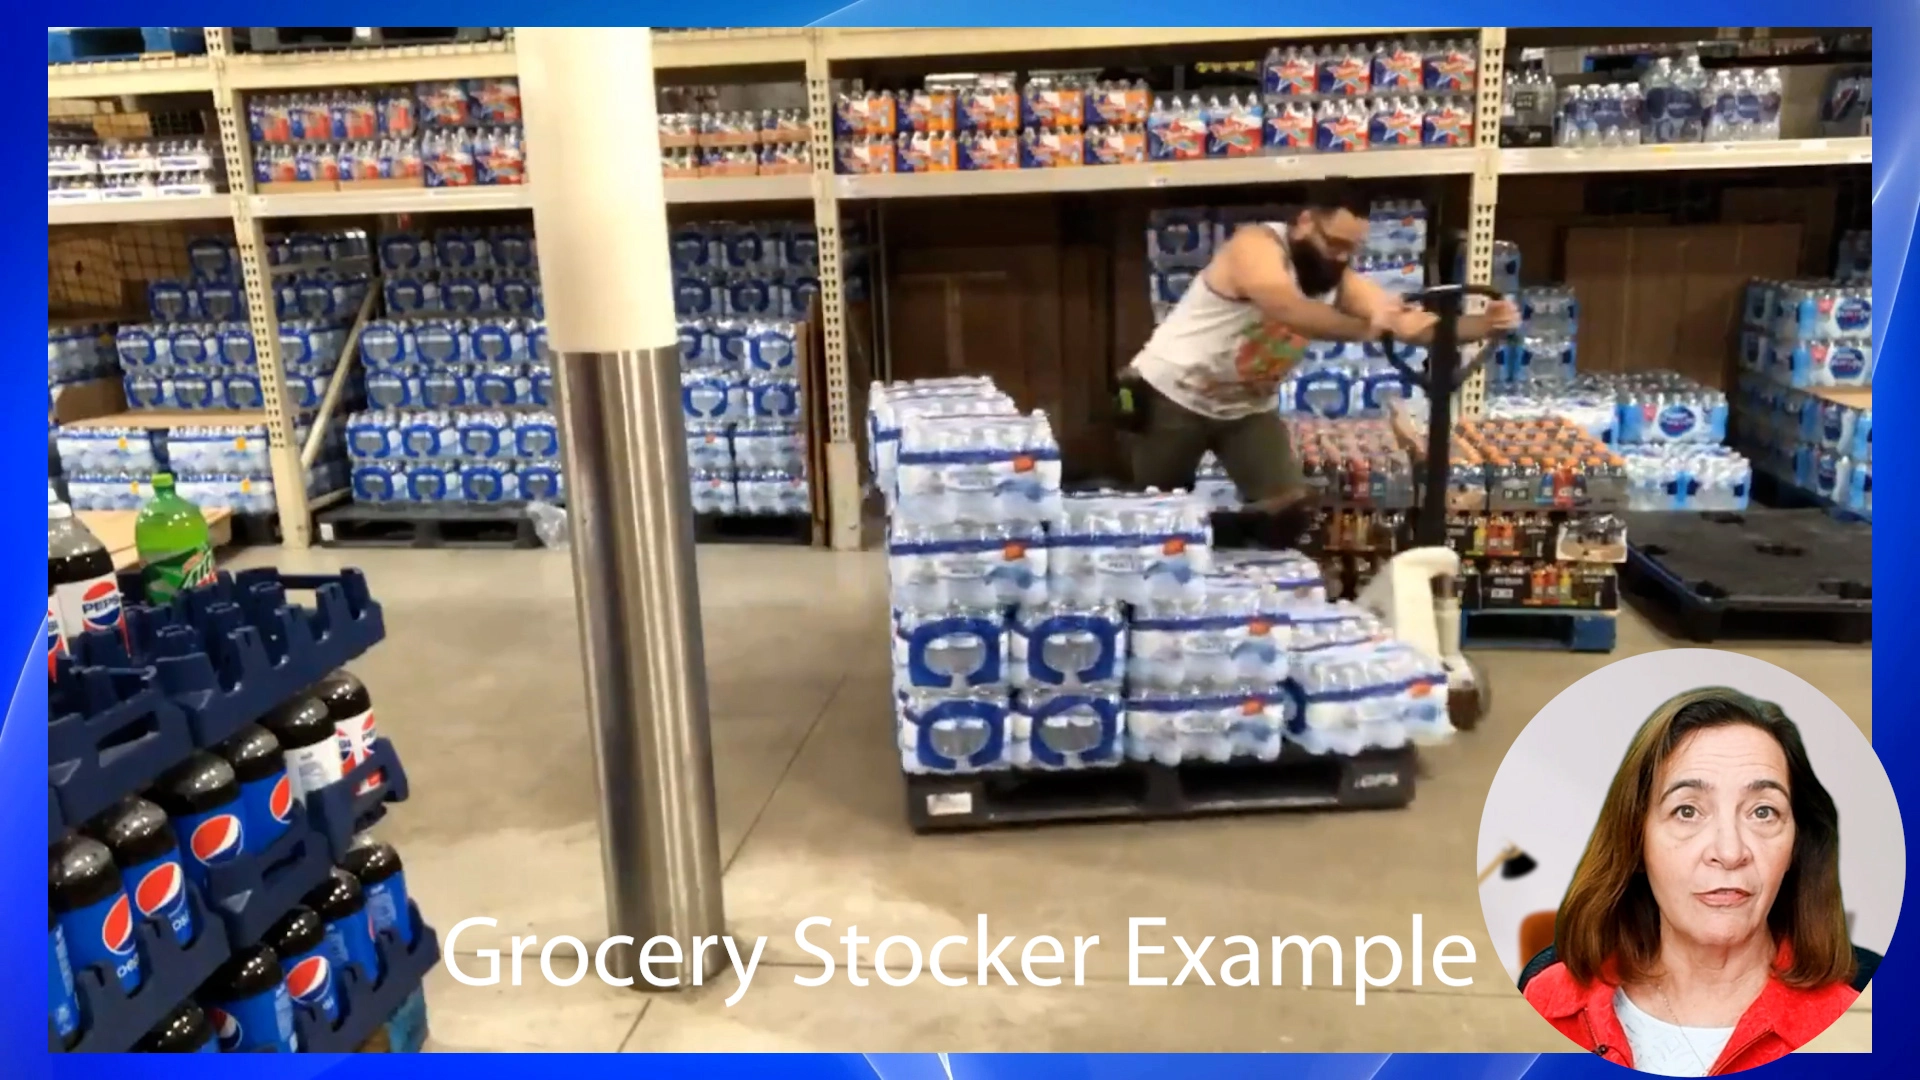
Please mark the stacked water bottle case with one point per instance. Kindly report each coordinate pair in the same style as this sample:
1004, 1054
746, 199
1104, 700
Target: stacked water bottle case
741, 292
242, 908
1035, 630
458, 382
1807, 361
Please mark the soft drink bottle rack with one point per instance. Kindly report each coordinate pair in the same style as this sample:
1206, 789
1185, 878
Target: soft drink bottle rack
115, 1019
114, 731
342, 810
365, 1006
252, 892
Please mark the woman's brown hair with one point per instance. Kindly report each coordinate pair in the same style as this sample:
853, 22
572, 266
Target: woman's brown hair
1609, 910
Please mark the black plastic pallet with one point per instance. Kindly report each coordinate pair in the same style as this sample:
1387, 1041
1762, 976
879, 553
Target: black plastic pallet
1131, 790
254, 530
426, 526
753, 529
286, 38
93, 44
1763, 572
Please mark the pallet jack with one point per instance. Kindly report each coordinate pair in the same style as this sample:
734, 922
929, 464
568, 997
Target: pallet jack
1418, 594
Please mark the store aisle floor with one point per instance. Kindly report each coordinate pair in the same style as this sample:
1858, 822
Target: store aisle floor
479, 684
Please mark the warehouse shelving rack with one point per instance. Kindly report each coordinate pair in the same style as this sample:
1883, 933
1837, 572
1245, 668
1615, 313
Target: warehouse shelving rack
227, 76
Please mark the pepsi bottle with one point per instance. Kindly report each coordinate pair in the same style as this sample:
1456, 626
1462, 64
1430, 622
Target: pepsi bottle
96, 917
63, 1008
266, 792
248, 1006
351, 708
148, 854
307, 744
377, 866
185, 1030
300, 938
203, 798
342, 906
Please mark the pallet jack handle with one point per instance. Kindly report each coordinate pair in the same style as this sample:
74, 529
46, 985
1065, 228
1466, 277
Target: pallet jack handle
1445, 372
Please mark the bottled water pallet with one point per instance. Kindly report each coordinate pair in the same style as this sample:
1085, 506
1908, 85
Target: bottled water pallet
90, 44
426, 525
286, 38
1132, 790
1761, 572
1538, 628
753, 529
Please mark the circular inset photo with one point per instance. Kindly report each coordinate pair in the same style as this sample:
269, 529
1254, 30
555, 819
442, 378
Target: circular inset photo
1691, 862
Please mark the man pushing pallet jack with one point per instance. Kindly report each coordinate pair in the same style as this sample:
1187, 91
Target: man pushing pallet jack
1209, 378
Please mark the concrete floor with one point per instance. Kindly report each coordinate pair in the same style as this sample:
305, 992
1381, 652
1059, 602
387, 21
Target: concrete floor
479, 685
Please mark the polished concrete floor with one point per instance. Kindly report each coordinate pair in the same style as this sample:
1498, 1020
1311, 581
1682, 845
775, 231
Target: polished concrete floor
479, 685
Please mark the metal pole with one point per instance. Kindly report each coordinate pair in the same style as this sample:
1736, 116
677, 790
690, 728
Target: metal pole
600, 220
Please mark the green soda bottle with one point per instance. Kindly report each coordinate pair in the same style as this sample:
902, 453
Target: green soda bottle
171, 537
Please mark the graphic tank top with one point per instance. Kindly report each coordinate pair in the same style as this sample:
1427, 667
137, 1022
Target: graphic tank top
1223, 358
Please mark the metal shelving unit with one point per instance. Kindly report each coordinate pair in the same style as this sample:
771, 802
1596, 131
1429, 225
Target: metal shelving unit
227, 76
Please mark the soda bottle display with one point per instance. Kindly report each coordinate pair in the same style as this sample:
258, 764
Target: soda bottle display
266, 791
304, 727
342, 906
148, 853
96, 917
185, 1030
82, 592
171, 536
247, 1004
351, 708
202, 796
300, 938
377, 866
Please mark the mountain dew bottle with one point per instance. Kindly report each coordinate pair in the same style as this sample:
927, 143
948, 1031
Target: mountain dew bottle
172, 539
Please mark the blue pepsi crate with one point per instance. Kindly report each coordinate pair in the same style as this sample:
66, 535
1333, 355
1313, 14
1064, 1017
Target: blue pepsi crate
253, 892
87, 44
115, 1019
341, 810
392, 1002
1538, 628
56, 820
112, 731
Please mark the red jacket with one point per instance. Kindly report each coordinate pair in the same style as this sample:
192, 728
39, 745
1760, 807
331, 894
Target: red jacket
1780, 1020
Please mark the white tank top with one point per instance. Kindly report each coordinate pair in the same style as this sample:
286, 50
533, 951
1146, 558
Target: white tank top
1222, 358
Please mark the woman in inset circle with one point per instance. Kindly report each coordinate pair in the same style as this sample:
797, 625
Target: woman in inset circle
1704, 931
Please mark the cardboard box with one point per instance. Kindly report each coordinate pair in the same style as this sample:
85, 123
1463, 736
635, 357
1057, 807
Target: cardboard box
74, 402
1669, 296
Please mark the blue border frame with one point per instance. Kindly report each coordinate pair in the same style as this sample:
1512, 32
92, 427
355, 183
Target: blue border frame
1896, 185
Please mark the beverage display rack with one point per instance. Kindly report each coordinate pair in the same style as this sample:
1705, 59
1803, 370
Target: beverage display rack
227, 75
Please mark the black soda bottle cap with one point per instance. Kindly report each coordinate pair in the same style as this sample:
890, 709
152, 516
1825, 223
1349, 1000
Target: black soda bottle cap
246, 973
337, 897
253, 752
372, 863
135, 830
300, 723
80, 872
183, 1031
342, 694
200, 783
297, 931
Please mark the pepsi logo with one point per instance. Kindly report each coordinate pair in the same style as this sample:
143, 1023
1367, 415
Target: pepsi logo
100, 606
116, 930
216, 840
226, 1026
280, 799
1676, 421
310, 980
163, 887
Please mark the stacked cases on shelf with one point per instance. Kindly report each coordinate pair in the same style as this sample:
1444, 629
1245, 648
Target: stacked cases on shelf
1805, 405
212, 883
1034, 630
84, 168
459, 384
1339, 98
741, 292
453, 133
733, 131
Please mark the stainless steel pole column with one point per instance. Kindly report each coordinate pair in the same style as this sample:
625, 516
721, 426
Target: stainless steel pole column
600, 221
